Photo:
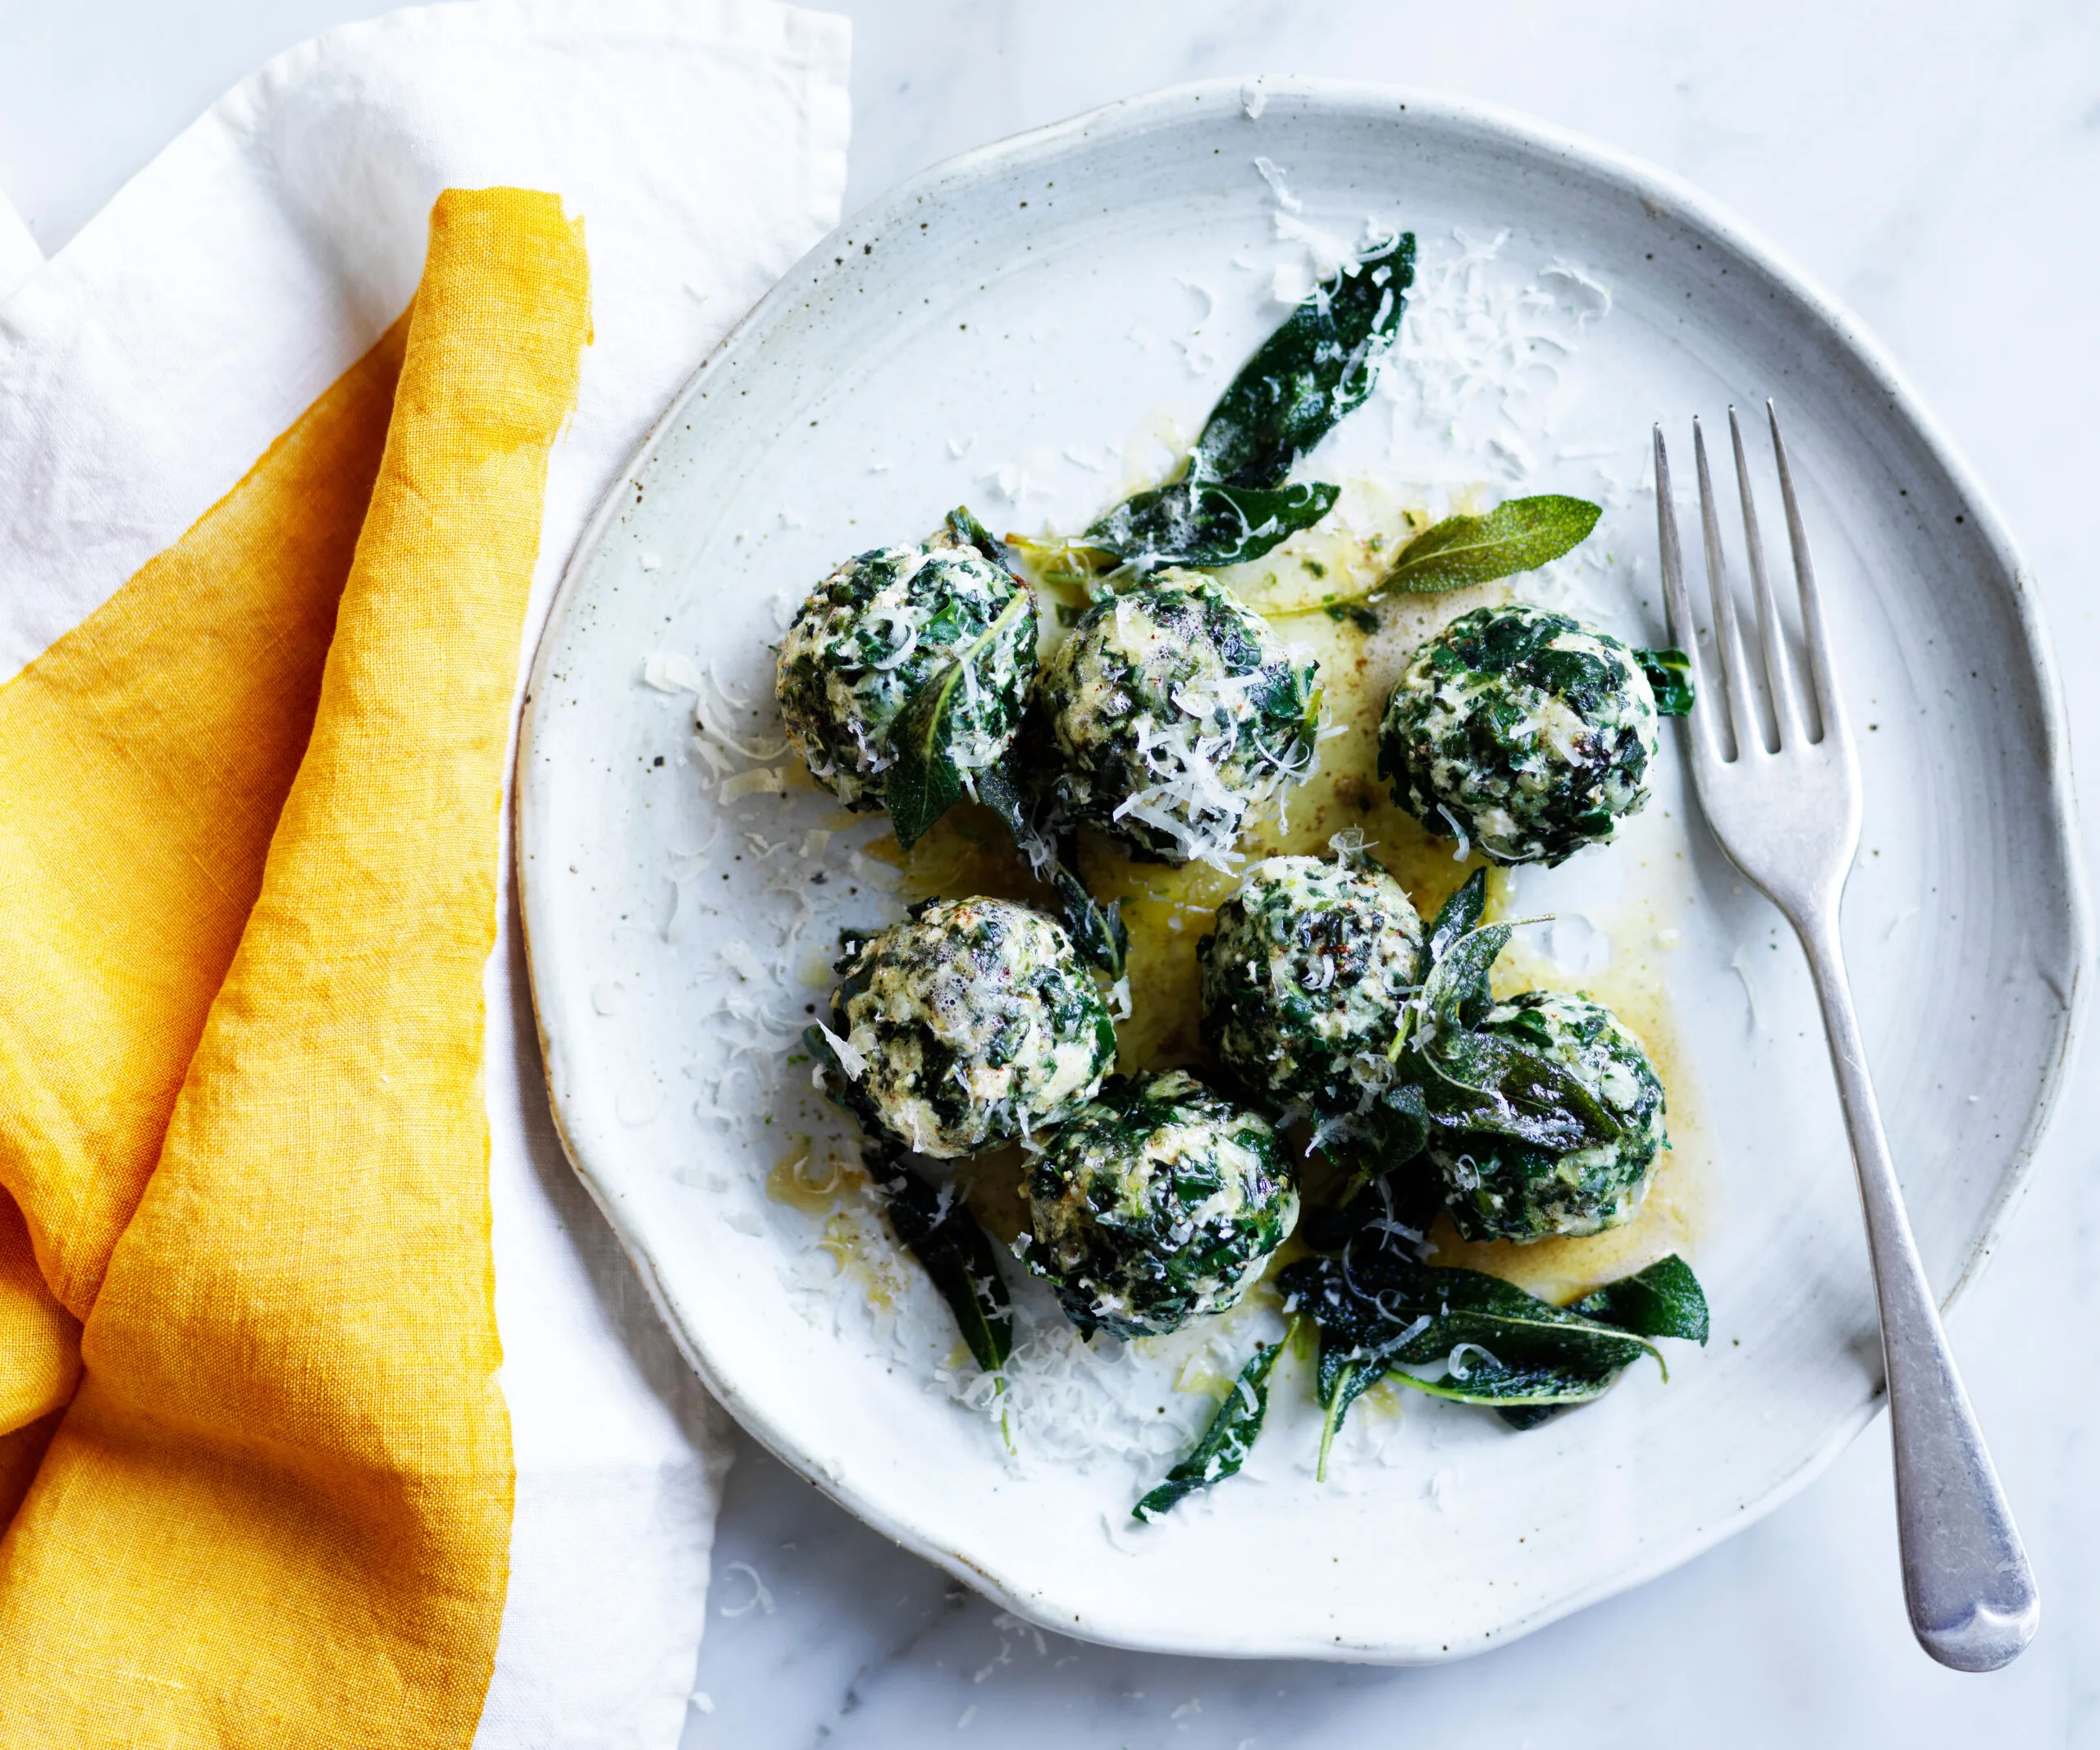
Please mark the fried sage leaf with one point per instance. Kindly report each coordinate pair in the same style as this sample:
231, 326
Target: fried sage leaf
932, 1224
1308, 376
967, 531
926, 782
1519, 534
1460, 913
1457, 1075
1664, 1299
1206, 523
1378, 1304
1456, 993
1226, 1442
1097, 930
1380, 1311
1670, 678
1376, 1148
1484, 1084
1398, 1196
1301, 382
1341, 1382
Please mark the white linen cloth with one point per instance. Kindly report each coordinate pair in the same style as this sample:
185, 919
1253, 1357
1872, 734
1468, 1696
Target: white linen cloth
146, 367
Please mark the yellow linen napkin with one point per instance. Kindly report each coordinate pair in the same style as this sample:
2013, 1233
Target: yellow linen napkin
39, 1359
277, 1511
144, 759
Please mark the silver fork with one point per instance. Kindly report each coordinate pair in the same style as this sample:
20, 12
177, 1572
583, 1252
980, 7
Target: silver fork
1789, 820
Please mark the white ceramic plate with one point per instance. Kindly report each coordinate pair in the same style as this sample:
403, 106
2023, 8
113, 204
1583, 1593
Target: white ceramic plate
1018, 328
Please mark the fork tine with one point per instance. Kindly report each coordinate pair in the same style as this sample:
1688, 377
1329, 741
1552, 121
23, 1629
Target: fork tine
1676, 602
1829, 708
1727, 635
1771, 629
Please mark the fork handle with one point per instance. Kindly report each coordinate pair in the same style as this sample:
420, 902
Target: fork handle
1965, 1575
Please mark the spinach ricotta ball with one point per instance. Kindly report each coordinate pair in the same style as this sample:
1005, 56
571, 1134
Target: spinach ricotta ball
969, 1024
1156, 1202
877, 630
1523, 731
1170, 712
1497, 1188
1302, 982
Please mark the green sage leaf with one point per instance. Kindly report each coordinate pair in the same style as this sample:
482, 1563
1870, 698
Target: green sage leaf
1375, 1297
1479, 1083
934, 1225
1301, 382
1393, 1191
966, 531
1670, 678
1226, 1442
1457, 1075
1519, 534
1097, 931
1456, 993
1341, 1382
1380, 1311
1205, 523
1476, 1375
1309, 375
930, 1222
1664, 1299
926, 782
1460, 913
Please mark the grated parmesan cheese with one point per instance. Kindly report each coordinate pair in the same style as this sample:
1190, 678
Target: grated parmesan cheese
852, 1059
769, 780
1331, 254
1202, 291
668, 672
1273, 173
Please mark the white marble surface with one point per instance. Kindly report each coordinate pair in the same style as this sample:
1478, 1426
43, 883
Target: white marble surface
1935, 165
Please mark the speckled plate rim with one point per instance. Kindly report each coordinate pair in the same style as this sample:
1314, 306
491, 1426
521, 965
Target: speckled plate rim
1663, 195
